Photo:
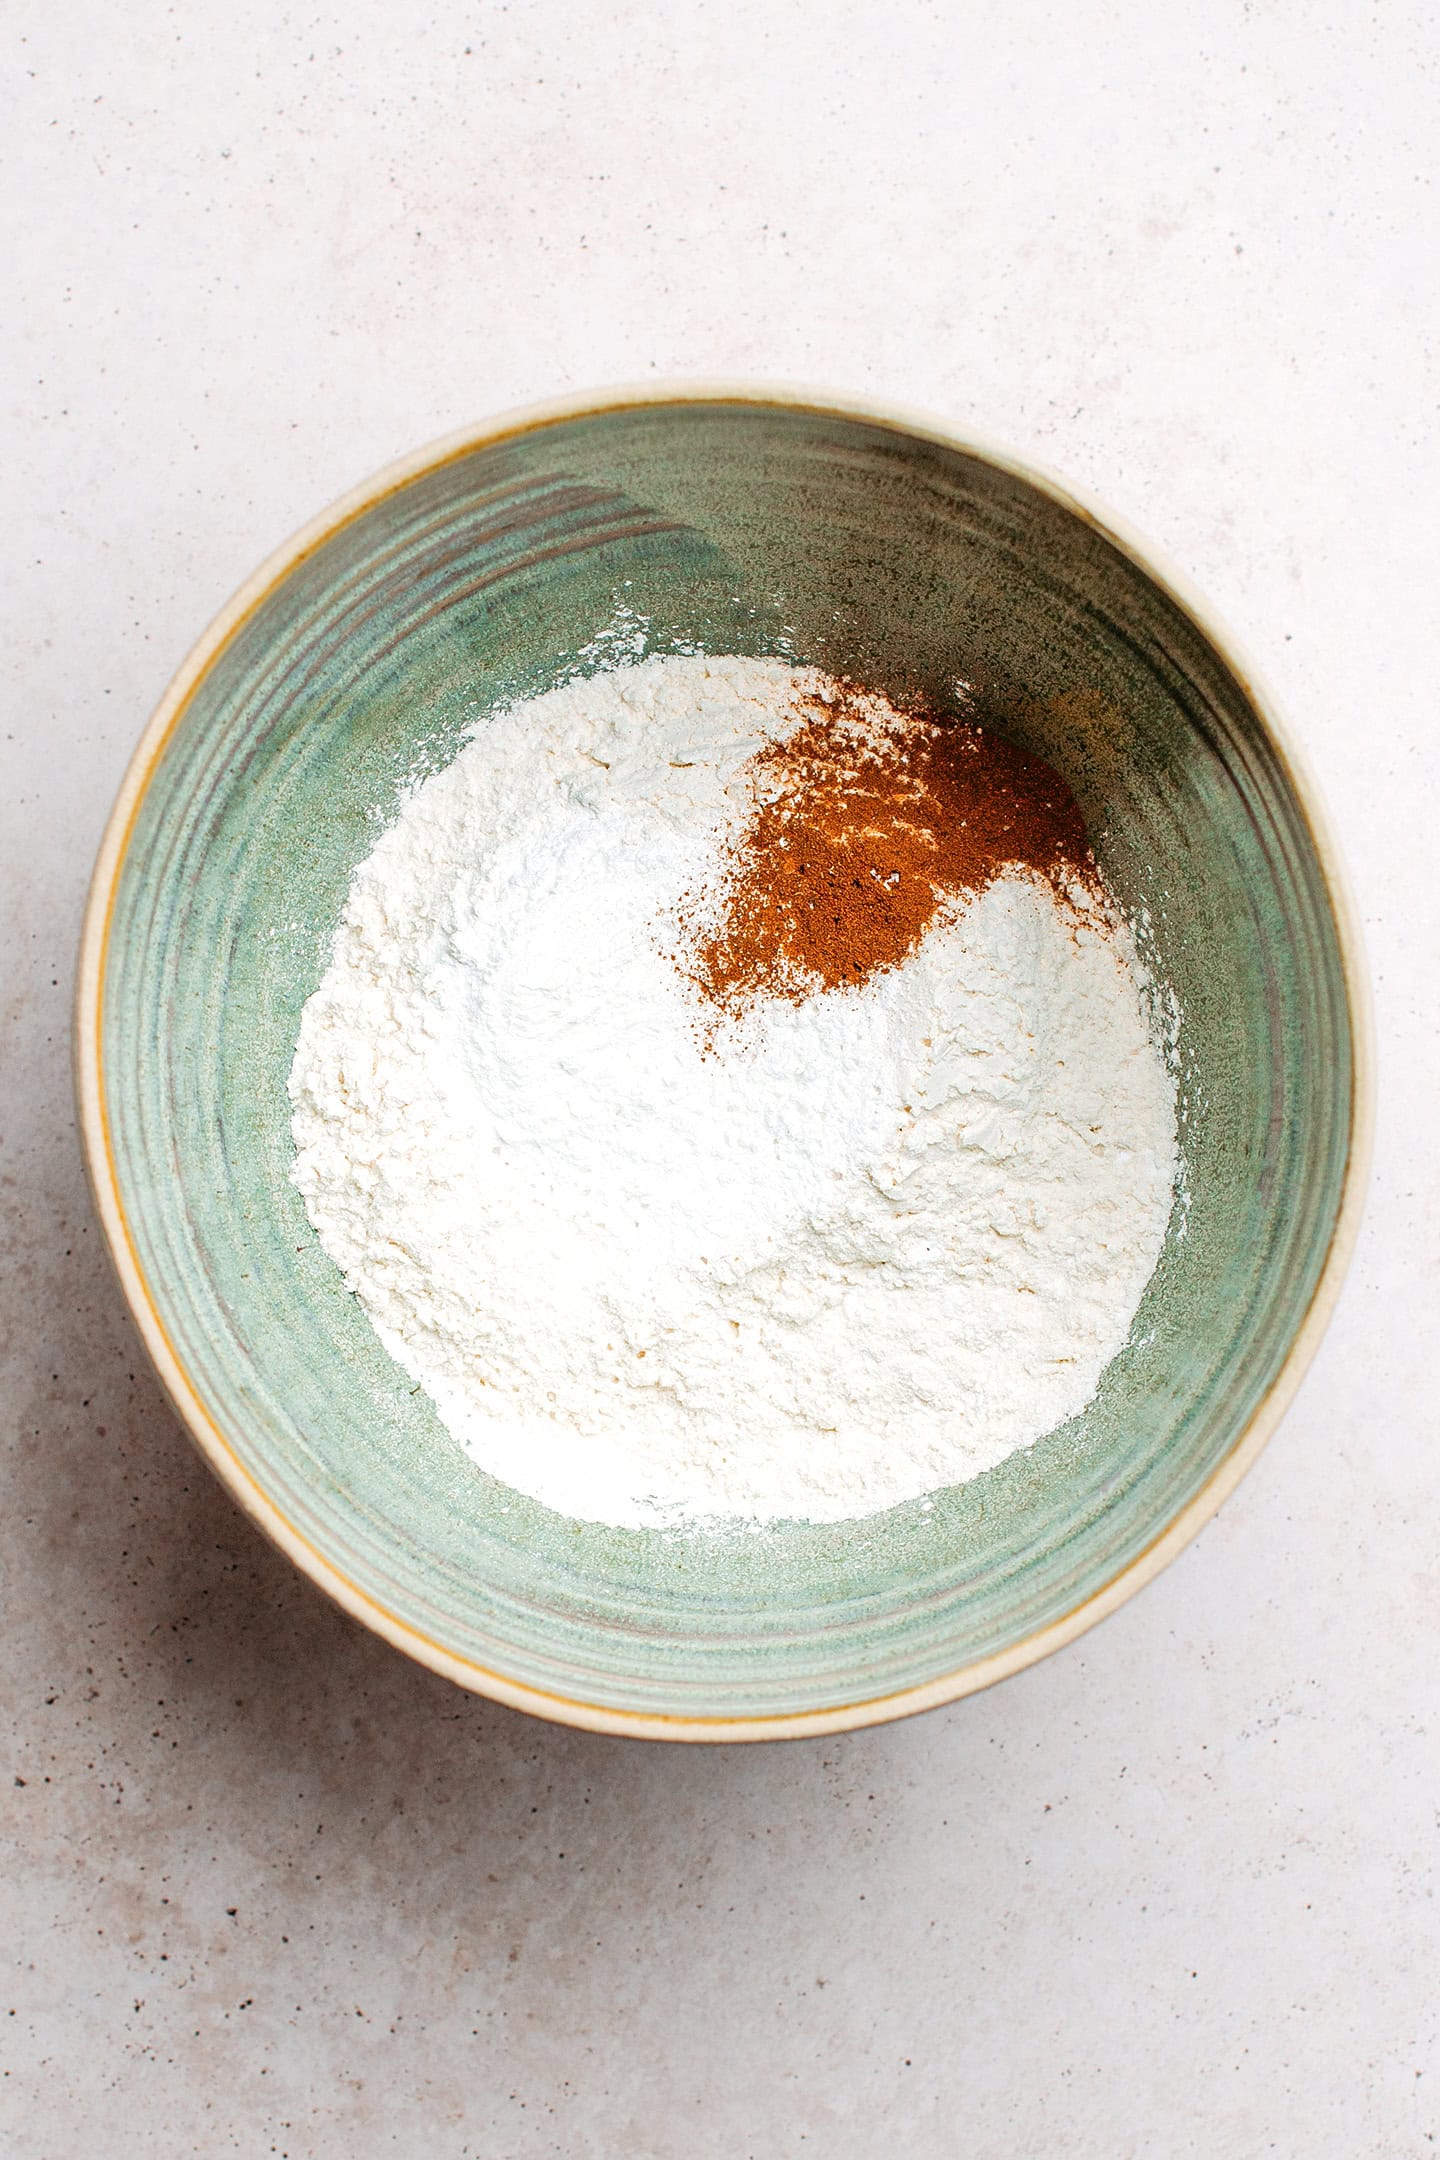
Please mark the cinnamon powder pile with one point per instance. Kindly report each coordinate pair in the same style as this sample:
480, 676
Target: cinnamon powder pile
864, 824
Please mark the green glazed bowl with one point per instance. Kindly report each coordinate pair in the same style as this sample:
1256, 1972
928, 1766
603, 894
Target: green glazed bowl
750, 522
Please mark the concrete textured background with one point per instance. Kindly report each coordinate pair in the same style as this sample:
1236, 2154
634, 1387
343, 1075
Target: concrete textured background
273, 1890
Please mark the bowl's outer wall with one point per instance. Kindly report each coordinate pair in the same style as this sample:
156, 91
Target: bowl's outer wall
913, 565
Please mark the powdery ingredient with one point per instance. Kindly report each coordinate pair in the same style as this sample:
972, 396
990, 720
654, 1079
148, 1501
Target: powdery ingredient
864, 823
862, 1248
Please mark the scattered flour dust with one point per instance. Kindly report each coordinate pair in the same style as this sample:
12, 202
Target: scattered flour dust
857, 1250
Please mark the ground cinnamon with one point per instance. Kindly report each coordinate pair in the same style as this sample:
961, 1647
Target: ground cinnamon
864, 823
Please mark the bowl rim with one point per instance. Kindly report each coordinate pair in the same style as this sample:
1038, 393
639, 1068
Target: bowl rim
202, 1425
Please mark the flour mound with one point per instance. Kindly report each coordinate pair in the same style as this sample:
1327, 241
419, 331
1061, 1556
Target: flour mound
858, 1250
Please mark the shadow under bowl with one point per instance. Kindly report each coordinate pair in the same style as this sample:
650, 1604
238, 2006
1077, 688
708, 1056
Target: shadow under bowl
875, 546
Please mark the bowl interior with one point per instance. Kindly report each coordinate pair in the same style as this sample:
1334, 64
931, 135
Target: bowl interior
750, 528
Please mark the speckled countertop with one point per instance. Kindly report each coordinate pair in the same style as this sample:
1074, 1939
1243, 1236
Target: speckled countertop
1172, 1893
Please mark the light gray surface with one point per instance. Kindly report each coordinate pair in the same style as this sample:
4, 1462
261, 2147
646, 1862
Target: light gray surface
1172, 1893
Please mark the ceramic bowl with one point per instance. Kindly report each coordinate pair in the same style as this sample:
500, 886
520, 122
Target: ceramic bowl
749, 522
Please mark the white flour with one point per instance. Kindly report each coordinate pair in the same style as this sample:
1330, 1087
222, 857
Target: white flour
867, 1251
